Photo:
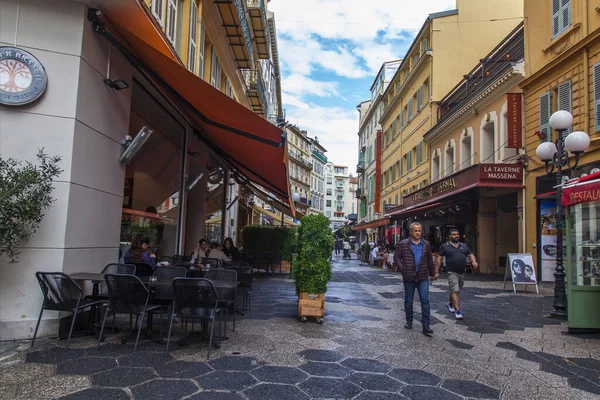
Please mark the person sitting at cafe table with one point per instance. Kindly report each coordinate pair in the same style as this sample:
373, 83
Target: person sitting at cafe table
139, 252
201, 250
216, 251
230, 250
135, 248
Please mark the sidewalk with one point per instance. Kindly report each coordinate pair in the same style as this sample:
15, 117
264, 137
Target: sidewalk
504, 348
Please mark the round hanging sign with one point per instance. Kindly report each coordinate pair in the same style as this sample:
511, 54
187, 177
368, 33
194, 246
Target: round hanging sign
23, 78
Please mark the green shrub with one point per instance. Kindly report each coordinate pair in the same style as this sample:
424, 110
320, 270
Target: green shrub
265, 238
312, 269
290, 245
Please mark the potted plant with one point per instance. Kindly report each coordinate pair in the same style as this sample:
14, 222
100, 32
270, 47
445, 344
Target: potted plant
25, 193
312, 269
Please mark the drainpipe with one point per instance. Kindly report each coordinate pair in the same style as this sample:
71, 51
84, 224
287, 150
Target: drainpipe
586, 85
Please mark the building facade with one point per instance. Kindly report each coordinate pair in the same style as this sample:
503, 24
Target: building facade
121, 72
317, 176
300, 165
563, 73
329, 190
446, 47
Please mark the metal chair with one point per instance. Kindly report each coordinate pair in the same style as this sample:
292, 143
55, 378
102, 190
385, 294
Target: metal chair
127, 294
164, 293
235, 264
61, 293
143, 269
195, 299
181, 259
245, 276
128, 269
226, 296
213, 262
250, 256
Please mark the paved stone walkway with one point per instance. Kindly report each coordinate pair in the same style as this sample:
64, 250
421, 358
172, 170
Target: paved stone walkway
504, 348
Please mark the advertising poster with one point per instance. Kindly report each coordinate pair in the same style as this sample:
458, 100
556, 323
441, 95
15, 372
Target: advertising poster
521, 268
547, 242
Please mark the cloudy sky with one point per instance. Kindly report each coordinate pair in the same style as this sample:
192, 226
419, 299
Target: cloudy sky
329, 54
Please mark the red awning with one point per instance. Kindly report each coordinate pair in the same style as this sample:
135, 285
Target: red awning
371, 224
250, 143
584, 190
429, 207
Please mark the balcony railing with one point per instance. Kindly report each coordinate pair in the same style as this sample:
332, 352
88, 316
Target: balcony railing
255, 90
360, 167
258, 18
361, 193
298, 158
237, 31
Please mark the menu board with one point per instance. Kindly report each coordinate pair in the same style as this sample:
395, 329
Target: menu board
548, 239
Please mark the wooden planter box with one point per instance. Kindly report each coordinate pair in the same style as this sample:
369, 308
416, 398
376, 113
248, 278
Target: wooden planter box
311, 305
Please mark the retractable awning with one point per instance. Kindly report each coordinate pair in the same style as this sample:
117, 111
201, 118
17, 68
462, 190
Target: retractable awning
371, 224
272, 215
250, 144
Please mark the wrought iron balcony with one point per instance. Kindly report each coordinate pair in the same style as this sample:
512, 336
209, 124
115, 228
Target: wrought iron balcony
298, 158
237, 30
258, 18
361, 193
360, 167
255, 90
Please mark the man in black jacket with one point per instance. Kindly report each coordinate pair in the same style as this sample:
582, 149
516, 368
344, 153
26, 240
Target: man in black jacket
415, 261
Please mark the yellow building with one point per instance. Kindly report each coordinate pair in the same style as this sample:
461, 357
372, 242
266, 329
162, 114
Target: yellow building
562, 64
447, 46
300, 165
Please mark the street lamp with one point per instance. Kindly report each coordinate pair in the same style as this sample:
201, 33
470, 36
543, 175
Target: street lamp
556, 156
295, 197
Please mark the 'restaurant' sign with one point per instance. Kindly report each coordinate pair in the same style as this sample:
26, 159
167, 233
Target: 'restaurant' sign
581, 194
432, 190
509, 172
22, 77
514, 118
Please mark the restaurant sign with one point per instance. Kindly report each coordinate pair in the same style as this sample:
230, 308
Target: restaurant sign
581, 194
503, 172
514, 119
434, 189
23, 79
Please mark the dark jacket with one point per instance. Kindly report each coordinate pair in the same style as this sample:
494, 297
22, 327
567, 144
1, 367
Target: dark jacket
405, 260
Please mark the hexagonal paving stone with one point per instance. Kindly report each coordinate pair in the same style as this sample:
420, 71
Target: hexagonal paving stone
123, 377
333, 370
183, 369
329, 388
276, 374
368, 395
375, 382
210, 395
415, 377
321, 355
226, 380
269, 391
108, 350
365, 365
428, 393
86, 366
164, 389
471, 389
54, 355
143, 359
234, 363
98, 394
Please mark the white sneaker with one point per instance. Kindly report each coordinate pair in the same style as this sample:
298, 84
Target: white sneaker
450, 307
458, 314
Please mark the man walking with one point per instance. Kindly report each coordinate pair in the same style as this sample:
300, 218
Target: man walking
415, 261
456, 254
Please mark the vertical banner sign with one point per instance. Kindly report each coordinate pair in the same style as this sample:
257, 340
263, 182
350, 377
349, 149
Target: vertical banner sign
378, 172
515, 123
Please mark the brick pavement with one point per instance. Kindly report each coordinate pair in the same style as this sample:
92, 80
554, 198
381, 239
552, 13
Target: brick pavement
504, 348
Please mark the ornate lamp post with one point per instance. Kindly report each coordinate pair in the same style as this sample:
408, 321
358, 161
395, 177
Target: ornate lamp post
556, 155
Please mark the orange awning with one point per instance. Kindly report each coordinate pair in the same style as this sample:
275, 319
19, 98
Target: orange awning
248, 142
372, 224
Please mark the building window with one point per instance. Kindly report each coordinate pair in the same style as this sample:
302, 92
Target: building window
597, 97
466, 147
228, 89
409, 161
423, 48
202, 51
435, 165
564, 99
410, 109
328, 213
215, 68
393, 172
171, 28
561, 16
488, 140
329, 181
545, 111
419, 152
157, 10
328, 203
449, 158
192, 46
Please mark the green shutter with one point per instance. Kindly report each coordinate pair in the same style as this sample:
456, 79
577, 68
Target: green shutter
556, 18
565, 14
597, 97
565, 100
545, 110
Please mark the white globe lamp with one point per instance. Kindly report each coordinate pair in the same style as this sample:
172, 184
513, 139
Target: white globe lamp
545, 151
295, 197
577, 142
561, 120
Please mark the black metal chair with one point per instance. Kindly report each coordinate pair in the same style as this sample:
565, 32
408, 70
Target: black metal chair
226, 296
169, 259
61, 293
127, 269
195, 299
250, 256
127, 294
163, 294
143, 269
235, 264
245, 277
181, 259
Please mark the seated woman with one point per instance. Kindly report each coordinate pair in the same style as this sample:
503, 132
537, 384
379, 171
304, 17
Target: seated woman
230, 250
201, 250
132, 253
216, 251
141, 253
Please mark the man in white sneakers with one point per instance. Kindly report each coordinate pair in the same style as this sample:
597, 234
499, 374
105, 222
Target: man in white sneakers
456, 254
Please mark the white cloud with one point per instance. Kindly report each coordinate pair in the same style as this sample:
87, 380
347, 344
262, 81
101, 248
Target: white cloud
302, 85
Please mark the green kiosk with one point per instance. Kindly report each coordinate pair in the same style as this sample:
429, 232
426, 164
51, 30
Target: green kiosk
582, 201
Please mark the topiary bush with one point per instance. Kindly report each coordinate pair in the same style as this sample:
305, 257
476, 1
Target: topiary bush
312, 269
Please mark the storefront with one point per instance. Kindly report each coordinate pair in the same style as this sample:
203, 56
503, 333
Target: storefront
582, 202
481, 201
112, 74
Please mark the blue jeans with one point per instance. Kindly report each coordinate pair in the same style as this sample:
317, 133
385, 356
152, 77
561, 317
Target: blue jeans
409, 295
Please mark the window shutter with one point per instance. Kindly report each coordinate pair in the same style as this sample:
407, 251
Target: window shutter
410, 109
565, 14
202, 51
565, 100
556, 18
157, 10
424, 45
192, 46
545, 109
419, 99
402, 119
171, 28
597, 97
